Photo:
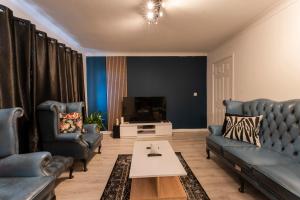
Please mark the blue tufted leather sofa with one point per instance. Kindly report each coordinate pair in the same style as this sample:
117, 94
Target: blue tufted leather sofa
22, 176
79, 146
274, 169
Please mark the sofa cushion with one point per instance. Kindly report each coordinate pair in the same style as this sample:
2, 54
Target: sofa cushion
222, 141
37, 188
287, 176
256, 156
93, 139
242, 128
70, 123
217, 143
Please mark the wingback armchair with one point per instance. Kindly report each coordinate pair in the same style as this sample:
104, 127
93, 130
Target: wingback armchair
22, 176
77, 145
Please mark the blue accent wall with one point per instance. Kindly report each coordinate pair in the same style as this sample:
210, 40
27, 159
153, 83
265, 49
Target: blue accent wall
96, 86
176, 78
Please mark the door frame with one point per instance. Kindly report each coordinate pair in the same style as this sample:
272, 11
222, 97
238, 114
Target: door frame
232, 55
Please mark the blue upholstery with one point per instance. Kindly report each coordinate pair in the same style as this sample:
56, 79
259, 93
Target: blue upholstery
22, 176
275, 167
225, 142
90, 138
76, 145
215, 130
8, 129
287, 176
280, 125
24, 165
21, 188
256, 156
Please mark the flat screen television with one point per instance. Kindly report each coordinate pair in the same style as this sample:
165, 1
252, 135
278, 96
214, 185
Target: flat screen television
144, 109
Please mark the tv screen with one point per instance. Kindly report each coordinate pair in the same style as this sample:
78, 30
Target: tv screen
144, 109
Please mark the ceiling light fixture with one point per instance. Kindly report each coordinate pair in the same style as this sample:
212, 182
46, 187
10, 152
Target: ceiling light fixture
154, 11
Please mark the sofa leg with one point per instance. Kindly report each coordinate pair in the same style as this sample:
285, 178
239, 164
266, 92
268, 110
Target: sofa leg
84, 162
99, 150
208, 154
71, 172
242, 186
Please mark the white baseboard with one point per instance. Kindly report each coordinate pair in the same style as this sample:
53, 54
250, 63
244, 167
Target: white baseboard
190, 130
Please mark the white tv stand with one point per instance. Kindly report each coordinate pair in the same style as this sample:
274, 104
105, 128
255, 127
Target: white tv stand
145, 129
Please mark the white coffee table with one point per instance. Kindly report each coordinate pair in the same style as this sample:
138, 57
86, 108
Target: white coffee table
156, 177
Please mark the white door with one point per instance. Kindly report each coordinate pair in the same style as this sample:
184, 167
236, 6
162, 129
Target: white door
222, 87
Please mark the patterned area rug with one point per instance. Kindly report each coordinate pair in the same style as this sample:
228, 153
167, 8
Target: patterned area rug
118, 185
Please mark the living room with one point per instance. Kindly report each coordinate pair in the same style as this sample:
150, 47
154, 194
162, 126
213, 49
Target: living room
149, 99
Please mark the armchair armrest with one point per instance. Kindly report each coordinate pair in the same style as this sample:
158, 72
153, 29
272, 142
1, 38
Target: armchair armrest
69, 137
215, 130
91, 128
25, 165
47, 106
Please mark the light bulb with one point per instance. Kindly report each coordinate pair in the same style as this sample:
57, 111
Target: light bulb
163, 4
150, 5
161, 13
150, 15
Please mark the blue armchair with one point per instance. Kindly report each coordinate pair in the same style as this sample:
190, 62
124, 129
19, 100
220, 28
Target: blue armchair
77, 145
22, 176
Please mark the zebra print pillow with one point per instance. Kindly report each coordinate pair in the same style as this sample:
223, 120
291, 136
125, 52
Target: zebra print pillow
242, 128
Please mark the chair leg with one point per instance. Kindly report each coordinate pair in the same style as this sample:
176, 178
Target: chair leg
71, 172
208, 154
242, 186
99, 150
84, 165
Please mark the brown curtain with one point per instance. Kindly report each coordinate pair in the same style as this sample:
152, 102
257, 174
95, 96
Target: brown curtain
116, 74
33, 69
54, 93
8, 94
24, 43
62, 72
74, 76
42, 75
69, 74
80, 78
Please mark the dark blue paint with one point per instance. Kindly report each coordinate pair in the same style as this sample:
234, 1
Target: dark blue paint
176, 78
96, 86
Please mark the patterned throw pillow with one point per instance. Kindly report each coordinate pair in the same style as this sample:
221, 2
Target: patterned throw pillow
242, 128
70, 122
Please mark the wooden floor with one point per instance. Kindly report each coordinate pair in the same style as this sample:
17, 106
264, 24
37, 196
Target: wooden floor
217, 180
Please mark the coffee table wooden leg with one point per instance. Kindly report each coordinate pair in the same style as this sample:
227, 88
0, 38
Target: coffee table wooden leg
159, 188
171, 188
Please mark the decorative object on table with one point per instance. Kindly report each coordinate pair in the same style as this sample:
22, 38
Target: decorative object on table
116, 131
96, 118
122, 120
154, 150
70, 122
242, 128
117, 122
119, 184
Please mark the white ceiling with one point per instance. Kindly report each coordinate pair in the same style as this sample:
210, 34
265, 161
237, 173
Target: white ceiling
118, 26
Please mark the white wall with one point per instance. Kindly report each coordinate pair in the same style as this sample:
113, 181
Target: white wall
25, 10
266, 57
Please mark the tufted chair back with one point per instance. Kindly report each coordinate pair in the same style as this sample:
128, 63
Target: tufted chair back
48, 117
9, 143
280, 129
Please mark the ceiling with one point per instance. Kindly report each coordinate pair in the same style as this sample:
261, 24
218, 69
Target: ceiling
118, 26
